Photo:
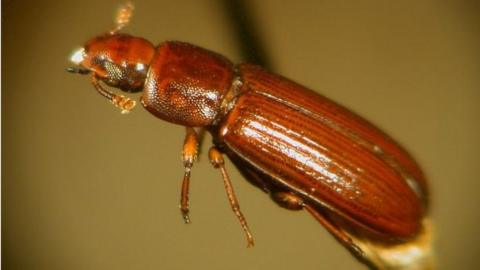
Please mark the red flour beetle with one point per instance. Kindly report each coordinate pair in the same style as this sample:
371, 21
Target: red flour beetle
304, 150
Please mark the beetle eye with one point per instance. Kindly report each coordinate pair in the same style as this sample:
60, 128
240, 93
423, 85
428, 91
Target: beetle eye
78, 56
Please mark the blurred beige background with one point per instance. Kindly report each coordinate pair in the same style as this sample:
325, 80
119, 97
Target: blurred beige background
85, 187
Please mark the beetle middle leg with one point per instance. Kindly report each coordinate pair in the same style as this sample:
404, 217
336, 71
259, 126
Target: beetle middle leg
292, 201
217, 161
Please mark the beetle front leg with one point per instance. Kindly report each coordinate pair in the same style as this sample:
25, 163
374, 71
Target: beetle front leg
189, 155
217, 161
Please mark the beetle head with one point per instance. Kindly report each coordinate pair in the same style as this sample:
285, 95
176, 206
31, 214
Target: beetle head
119, 60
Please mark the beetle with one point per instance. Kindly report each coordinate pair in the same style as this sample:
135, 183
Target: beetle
304, 150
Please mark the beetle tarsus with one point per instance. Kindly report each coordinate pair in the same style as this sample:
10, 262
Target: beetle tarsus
185, 216
184, 207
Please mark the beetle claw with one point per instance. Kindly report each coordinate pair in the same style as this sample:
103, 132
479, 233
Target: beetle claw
185, 216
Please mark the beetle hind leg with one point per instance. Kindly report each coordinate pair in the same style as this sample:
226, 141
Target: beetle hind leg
292, 201
338, 233
287, 200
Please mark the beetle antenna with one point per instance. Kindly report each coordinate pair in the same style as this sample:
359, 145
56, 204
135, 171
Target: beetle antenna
122, 102
122, 18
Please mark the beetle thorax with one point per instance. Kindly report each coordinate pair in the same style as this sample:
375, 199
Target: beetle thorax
186, 84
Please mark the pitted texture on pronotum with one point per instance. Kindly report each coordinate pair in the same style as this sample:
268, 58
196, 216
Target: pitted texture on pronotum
185, 84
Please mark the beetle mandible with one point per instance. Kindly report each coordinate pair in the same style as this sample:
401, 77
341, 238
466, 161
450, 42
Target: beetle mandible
301, 148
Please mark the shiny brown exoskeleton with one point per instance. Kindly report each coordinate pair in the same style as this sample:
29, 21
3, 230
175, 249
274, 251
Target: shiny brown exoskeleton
306, 151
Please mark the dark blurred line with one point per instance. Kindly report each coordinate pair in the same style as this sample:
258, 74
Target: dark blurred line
248, 39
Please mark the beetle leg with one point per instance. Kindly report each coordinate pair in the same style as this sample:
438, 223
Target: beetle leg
217, 161
340, 235
287, 200
190, 152
293, 202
